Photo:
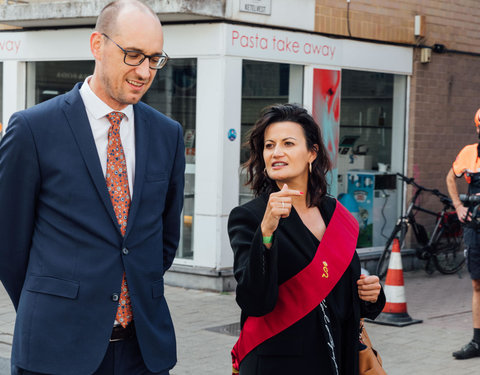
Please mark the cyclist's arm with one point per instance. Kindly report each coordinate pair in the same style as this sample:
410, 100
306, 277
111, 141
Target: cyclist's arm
453, 192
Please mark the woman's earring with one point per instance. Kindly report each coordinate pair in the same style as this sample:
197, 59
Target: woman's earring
310, 167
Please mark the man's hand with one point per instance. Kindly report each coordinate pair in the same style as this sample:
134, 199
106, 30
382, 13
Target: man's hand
463, 214
462, 211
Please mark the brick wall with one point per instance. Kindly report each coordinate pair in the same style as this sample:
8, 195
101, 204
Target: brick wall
445, 95
452, 23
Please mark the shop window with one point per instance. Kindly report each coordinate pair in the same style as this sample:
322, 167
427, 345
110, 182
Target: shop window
173, 92
263, 84
371, 147
47, 79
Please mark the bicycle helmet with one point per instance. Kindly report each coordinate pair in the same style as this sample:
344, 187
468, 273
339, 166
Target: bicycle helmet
477, 119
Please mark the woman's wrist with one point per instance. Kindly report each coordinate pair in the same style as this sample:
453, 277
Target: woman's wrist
265, 232
267, 239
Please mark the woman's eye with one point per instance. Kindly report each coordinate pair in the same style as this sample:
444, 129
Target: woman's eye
289, 143
268, 145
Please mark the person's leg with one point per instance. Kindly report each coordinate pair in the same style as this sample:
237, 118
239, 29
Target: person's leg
476, 304
129, 360
107, 365
472, 349
123, 357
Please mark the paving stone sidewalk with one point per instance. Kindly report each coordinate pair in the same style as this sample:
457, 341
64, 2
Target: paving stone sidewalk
443, 302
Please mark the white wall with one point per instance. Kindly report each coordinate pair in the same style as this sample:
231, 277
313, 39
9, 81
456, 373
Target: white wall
219, 86
299, 14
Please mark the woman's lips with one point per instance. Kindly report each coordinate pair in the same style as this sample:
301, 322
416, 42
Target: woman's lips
278, 165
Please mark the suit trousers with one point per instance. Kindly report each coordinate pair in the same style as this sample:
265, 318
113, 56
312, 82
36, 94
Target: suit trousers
122, 358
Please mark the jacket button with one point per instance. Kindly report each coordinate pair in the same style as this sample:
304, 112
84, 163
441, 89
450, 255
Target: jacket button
115, 297
125, 251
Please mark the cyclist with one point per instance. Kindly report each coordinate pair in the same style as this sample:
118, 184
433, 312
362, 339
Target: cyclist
467, 164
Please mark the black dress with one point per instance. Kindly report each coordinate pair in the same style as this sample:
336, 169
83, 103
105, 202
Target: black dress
303, 348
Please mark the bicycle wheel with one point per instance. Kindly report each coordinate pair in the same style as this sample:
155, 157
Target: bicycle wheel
382, 266
448, 254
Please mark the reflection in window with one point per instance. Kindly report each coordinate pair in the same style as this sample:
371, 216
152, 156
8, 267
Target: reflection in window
173, 92
263, 84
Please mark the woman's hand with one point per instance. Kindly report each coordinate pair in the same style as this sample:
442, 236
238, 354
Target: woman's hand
369, 288
279, 206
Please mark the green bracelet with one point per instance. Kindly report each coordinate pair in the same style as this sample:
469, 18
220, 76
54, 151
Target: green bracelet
267, 240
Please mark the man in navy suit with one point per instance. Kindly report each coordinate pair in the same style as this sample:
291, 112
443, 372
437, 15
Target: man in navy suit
83, 263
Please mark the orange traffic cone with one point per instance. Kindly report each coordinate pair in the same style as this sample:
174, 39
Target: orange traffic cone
395, 311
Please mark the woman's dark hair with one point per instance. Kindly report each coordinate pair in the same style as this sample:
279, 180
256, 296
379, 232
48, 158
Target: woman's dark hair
255, 165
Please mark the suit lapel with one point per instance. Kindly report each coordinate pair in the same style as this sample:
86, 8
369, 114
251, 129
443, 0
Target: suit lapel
142, 127
76, 115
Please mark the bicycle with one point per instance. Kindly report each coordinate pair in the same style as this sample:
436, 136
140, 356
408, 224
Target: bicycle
445, 245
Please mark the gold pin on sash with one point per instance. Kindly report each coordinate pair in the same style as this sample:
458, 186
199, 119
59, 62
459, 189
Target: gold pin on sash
325, 270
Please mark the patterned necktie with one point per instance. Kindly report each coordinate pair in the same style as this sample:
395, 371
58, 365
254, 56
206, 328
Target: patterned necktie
117, 184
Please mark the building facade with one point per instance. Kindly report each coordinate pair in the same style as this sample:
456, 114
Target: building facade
393, 93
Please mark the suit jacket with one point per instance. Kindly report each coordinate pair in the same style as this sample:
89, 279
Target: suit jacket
62, 253
301, 348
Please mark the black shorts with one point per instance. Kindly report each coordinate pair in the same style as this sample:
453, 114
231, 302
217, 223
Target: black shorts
471, 237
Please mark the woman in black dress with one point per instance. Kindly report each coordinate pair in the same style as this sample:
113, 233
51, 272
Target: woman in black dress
275, 236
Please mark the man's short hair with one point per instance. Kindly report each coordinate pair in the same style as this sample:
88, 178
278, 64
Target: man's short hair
107, 19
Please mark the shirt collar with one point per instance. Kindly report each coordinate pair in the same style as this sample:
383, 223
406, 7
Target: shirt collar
96, 106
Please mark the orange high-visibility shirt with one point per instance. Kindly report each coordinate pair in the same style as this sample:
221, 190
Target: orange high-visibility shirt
467, 162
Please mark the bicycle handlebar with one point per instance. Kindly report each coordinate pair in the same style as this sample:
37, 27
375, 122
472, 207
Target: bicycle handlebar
469, 198
472, 201
443, 198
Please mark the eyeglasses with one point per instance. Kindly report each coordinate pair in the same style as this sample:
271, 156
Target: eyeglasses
135, 58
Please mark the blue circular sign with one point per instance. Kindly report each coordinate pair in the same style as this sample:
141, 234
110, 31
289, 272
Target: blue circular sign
232, 134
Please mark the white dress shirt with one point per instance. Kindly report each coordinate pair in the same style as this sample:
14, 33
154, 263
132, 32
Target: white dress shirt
96, 112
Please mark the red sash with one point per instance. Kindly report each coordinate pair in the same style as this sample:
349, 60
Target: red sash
303, 292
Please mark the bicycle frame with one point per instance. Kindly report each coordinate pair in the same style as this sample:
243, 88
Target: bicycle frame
409, 219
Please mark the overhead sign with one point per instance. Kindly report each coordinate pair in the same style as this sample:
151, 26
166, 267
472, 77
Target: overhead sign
256, 6
282, 45
45, 45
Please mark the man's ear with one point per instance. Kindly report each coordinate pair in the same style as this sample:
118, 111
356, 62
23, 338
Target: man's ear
96, 45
